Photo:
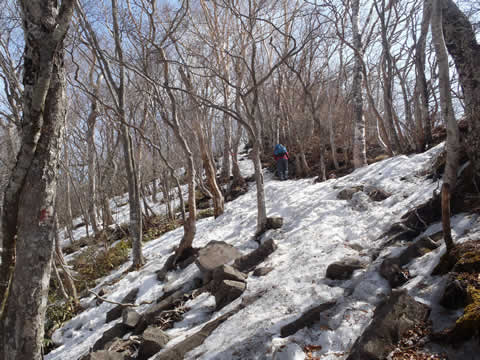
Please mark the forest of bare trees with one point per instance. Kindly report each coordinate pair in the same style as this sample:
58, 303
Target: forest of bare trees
100, 98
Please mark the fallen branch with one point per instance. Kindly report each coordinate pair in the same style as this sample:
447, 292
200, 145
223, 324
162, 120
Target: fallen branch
117, 303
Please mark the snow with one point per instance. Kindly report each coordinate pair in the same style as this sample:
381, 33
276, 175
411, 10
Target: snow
318, 230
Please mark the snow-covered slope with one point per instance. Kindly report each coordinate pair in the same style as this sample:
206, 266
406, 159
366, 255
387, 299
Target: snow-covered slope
318, 230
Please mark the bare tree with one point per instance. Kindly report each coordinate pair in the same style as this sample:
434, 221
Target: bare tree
28, 217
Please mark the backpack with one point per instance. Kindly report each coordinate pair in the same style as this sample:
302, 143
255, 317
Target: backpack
280, 150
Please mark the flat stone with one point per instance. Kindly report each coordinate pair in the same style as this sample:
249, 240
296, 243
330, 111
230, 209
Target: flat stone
215, 254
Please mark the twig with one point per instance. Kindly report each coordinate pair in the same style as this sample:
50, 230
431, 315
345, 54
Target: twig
117, 303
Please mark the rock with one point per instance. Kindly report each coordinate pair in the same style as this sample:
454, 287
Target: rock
117, 331
104, 355
418, 249
274, 223
262, 271
290, 351
378, 195
455, 295
179, 350
391, 320
215, 254
248, 262
343, 270
390, 270
307, 319
116, 312
347, 194
227, 291
167, 303
131, 318
226, 272
153, 340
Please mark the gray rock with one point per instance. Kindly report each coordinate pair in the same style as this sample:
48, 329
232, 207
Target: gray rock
347, 194
418, 249
117, 331
343, 270
308, 318
104, 355
153, 340
227, 272
391, 320
116, 312
131, 318
390, 270
167, 303
262, 271
227, 291
248, 262
215, 254
274, 223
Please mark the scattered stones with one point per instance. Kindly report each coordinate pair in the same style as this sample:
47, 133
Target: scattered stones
274, 223
391, 320
153, 340
262, 271
248, 262
307, 319
167, 303
290, 351
227, 291
418, 249
116, 312
390, 270
343, 270
117, 331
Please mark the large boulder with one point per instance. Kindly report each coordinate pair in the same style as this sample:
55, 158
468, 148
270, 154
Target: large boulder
153, 340
227, 291
343, 270
248, 262
116, 332
215, 254
392, 318
116, 312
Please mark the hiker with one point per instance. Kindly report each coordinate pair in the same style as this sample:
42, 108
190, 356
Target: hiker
281, 157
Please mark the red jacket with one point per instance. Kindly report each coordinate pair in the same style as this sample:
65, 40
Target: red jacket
278, 157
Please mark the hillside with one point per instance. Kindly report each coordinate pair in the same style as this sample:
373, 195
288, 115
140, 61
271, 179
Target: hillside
340, 219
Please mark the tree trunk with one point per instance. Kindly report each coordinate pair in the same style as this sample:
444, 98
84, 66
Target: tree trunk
465, 51
227, 144
28, 217
359, 144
